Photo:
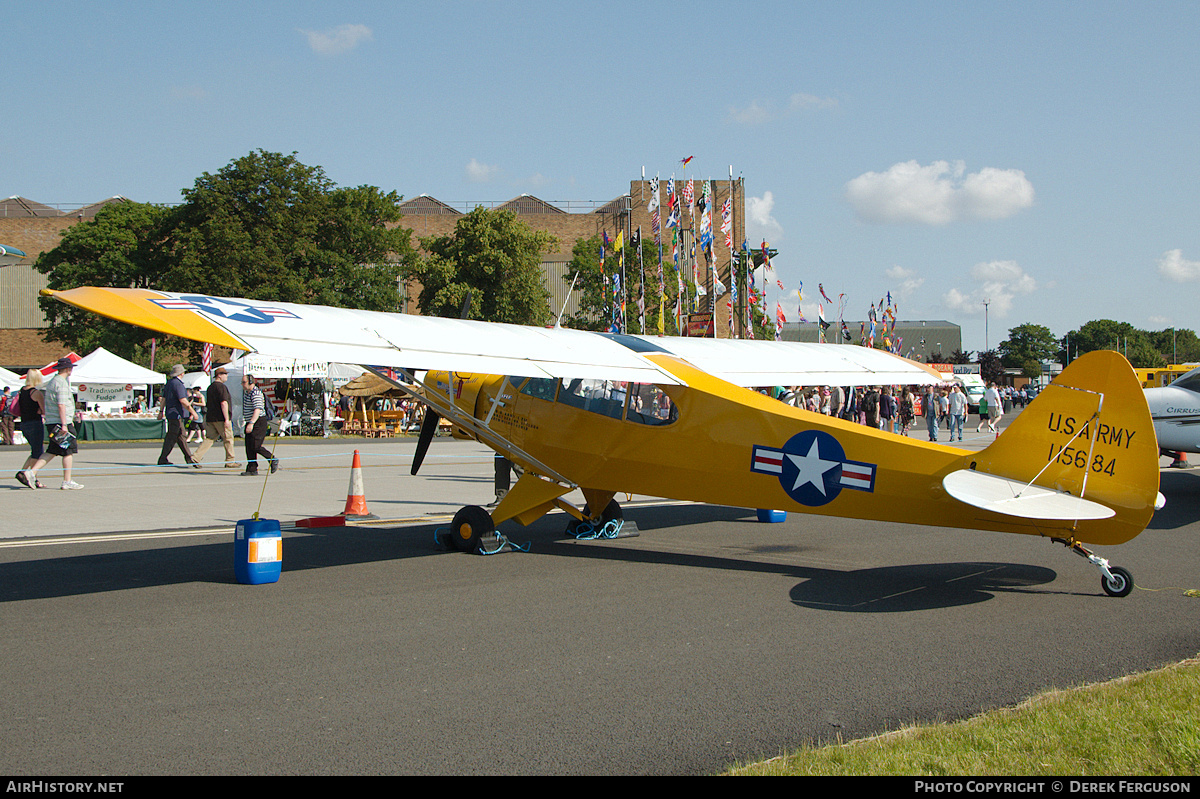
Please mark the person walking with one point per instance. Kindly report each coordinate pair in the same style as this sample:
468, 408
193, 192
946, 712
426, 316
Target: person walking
218, 421
57, 405
255, 419
958, 412
31, 409
995, 407
176, 410
6, 416
930, 406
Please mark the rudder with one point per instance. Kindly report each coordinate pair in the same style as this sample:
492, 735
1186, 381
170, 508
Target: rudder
1089, 434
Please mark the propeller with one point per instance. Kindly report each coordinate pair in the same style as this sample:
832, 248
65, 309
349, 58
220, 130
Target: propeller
428, 429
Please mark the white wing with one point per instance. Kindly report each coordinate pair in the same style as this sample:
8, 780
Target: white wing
747, 362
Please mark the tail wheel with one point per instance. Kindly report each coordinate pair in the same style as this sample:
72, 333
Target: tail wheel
1120, 584
469, 527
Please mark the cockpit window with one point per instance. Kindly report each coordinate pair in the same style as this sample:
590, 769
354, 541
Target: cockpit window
540, 387
605, 397
1190, 381
650, 405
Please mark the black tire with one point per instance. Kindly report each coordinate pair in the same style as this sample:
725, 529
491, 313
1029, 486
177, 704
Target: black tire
612, 512
1121, 583
469, 527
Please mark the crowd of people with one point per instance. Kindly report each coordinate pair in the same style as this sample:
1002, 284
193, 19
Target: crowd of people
46, 415
896, 408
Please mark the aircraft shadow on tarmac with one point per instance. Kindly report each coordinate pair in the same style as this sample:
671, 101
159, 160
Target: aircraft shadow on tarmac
1181, 488
889, 589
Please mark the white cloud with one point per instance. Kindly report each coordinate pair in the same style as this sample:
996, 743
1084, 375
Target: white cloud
759, 222
337, 40
908, 280
999, 283
753, 114
759, 112
481, 173
1173, 266
800, 101
938, 194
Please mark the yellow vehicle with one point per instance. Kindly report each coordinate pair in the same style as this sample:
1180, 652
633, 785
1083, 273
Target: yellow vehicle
677, 418
1160, 376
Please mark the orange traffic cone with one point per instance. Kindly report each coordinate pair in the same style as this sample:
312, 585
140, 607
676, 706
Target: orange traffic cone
356, 502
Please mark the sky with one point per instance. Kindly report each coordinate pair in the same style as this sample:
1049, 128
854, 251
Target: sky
1042, 157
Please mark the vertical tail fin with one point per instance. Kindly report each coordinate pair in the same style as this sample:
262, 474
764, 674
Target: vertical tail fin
1089, 434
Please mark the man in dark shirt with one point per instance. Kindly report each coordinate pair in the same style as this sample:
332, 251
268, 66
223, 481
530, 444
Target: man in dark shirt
218, 425
176, 409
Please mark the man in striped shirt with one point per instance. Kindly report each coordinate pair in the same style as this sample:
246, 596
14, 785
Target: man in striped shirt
253, 403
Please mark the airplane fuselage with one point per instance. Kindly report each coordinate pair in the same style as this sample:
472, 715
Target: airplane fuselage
709, 441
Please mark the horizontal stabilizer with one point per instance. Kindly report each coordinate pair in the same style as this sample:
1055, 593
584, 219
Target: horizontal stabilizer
1014, 498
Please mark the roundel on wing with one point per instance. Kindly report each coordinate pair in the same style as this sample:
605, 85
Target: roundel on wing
232, 310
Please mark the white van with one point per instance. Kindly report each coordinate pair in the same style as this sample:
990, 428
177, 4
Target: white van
974, 388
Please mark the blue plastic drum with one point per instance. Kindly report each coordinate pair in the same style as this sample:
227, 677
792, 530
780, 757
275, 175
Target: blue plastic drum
257, 551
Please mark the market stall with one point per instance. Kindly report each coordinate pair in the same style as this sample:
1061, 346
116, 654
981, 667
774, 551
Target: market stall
104, 385
378, 409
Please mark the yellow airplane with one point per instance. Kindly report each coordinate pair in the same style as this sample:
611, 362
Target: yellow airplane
676, 418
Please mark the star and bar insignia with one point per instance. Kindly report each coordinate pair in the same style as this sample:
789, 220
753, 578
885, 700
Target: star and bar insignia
812, 468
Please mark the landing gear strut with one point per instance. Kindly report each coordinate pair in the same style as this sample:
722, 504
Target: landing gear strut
1115, 580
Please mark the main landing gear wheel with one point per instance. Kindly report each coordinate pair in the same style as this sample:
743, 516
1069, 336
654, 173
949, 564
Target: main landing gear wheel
1120, 584
612, 512
469, 527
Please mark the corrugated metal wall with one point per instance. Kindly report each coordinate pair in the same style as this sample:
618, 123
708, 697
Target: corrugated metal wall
19, 287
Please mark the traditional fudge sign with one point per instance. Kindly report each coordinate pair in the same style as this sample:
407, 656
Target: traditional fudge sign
104, 392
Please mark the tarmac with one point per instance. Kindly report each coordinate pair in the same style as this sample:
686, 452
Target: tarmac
709, 638
125, 491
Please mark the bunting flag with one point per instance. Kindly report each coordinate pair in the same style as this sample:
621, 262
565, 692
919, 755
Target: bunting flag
727, 223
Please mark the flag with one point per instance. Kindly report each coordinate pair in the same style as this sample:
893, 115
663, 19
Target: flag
206, 358
685, 161
689, 193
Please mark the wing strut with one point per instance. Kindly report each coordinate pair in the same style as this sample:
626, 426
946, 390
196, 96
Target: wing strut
445, 406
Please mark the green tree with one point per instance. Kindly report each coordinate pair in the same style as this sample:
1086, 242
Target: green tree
264, 227
594, 294
1028, 342
1177, 345
111, 249
269, 227
594, 286
990, 367
495, 258
1106, 334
